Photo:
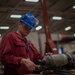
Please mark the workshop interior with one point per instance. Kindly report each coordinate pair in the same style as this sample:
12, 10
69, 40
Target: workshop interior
55, 32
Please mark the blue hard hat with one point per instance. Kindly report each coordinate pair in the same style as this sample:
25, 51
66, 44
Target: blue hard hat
29, 20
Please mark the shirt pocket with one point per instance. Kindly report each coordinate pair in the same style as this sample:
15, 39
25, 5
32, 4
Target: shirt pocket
19, 44
19, 48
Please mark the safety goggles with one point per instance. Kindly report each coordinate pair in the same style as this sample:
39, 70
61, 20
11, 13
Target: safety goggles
26, 26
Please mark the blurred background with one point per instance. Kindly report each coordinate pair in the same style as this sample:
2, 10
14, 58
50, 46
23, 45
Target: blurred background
61, 15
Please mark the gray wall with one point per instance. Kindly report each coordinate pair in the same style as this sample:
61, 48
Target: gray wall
39, 42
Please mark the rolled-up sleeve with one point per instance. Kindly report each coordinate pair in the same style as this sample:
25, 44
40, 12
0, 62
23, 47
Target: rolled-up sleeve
37, 54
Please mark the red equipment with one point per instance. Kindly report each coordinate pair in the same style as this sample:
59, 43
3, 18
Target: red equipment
50, 46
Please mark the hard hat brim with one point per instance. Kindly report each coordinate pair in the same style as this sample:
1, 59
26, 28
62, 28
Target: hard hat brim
27, 24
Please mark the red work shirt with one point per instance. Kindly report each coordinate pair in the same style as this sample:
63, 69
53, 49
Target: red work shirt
13, 47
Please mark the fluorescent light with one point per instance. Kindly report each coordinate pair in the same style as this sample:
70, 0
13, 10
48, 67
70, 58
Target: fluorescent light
15, 16
74, 34
73, 7
39, 27
0, 35
4, 27
32, 0
67, 28
56, 18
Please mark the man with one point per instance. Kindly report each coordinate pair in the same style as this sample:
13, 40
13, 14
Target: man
17, 53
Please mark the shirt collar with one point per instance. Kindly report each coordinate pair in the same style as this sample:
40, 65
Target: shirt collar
24, 39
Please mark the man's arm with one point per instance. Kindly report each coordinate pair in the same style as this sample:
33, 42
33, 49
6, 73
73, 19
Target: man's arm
6, 52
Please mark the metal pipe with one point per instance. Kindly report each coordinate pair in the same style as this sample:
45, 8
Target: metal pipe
50, 46
45, 18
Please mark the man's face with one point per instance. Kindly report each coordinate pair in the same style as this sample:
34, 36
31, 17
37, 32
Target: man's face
24, 29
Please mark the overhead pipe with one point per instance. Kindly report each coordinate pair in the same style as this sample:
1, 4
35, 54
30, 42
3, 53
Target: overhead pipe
66, 38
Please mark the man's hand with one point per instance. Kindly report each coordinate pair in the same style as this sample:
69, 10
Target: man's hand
29, 64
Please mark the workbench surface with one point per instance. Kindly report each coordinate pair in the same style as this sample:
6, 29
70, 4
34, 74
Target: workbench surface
71, 71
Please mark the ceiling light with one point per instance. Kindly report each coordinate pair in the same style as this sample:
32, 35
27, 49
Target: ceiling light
39, 27
74, 34
0, 35
15, 16
73, 7
67, 28
32, 0
4, 27
56, 18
